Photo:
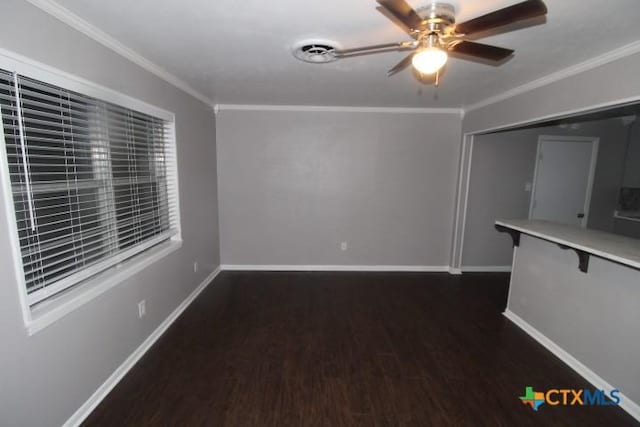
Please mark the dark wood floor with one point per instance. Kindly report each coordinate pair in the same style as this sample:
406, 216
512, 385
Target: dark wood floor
346, 349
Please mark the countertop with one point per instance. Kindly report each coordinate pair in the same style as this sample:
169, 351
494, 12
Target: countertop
620, 249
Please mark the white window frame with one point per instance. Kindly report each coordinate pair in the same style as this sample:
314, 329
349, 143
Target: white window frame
52, 309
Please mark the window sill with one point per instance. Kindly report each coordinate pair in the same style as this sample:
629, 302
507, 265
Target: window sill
51, 310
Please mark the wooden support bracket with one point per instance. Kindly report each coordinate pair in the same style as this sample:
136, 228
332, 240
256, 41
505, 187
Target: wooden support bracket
515, 234
583, 257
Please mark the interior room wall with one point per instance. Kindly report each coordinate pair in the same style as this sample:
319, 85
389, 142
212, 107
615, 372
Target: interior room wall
46, 377
609, 172
631, 180
293, 185
627, 228
501, 166
609, 82
594, 317
632, 165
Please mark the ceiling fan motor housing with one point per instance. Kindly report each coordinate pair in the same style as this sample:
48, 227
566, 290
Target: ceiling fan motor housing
438, 16
435, 32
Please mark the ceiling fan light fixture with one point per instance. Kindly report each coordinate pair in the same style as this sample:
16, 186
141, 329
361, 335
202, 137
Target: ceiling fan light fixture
429, 60
435, 33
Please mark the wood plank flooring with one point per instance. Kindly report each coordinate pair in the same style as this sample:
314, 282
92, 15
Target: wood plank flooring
346, 349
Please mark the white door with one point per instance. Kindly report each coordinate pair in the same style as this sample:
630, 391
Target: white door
563, 179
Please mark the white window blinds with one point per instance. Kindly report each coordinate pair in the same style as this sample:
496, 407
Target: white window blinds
92, 182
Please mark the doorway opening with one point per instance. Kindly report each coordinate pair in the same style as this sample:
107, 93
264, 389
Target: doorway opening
589, 177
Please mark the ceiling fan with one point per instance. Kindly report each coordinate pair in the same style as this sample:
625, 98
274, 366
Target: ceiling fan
435, 34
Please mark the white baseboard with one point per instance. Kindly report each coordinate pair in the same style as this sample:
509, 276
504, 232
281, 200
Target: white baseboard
87, 407
455, 271
381, 268
625, 403
486, 269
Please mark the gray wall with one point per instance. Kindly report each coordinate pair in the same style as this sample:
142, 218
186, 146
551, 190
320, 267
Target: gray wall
502, 163
293, 185
609, 172
46, 377
594, 316
614, 82
627, 228
631, 179
632, 165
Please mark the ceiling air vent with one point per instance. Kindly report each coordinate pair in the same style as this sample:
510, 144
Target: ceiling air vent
315, 51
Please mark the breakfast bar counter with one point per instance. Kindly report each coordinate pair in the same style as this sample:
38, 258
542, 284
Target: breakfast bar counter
612, 247
577, 292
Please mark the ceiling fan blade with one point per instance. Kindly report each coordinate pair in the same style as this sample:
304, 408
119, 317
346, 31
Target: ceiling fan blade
479, 50
517, 12
403, 12
375, 48
401, 65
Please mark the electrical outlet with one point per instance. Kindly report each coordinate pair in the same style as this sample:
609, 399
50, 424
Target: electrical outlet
343, 246
195, 266
528, 186
142, 308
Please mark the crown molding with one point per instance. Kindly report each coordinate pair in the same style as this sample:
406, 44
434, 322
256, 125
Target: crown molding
79, 24
336, 109
15, 62
622, 52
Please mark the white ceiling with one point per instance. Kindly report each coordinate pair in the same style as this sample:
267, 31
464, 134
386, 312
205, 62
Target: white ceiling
239, 52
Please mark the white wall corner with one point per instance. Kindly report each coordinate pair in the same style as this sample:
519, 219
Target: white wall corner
74, 21
455, 271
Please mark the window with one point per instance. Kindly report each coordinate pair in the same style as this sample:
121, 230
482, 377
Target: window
92, 182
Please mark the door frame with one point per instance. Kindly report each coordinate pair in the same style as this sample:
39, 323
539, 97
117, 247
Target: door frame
595, 144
